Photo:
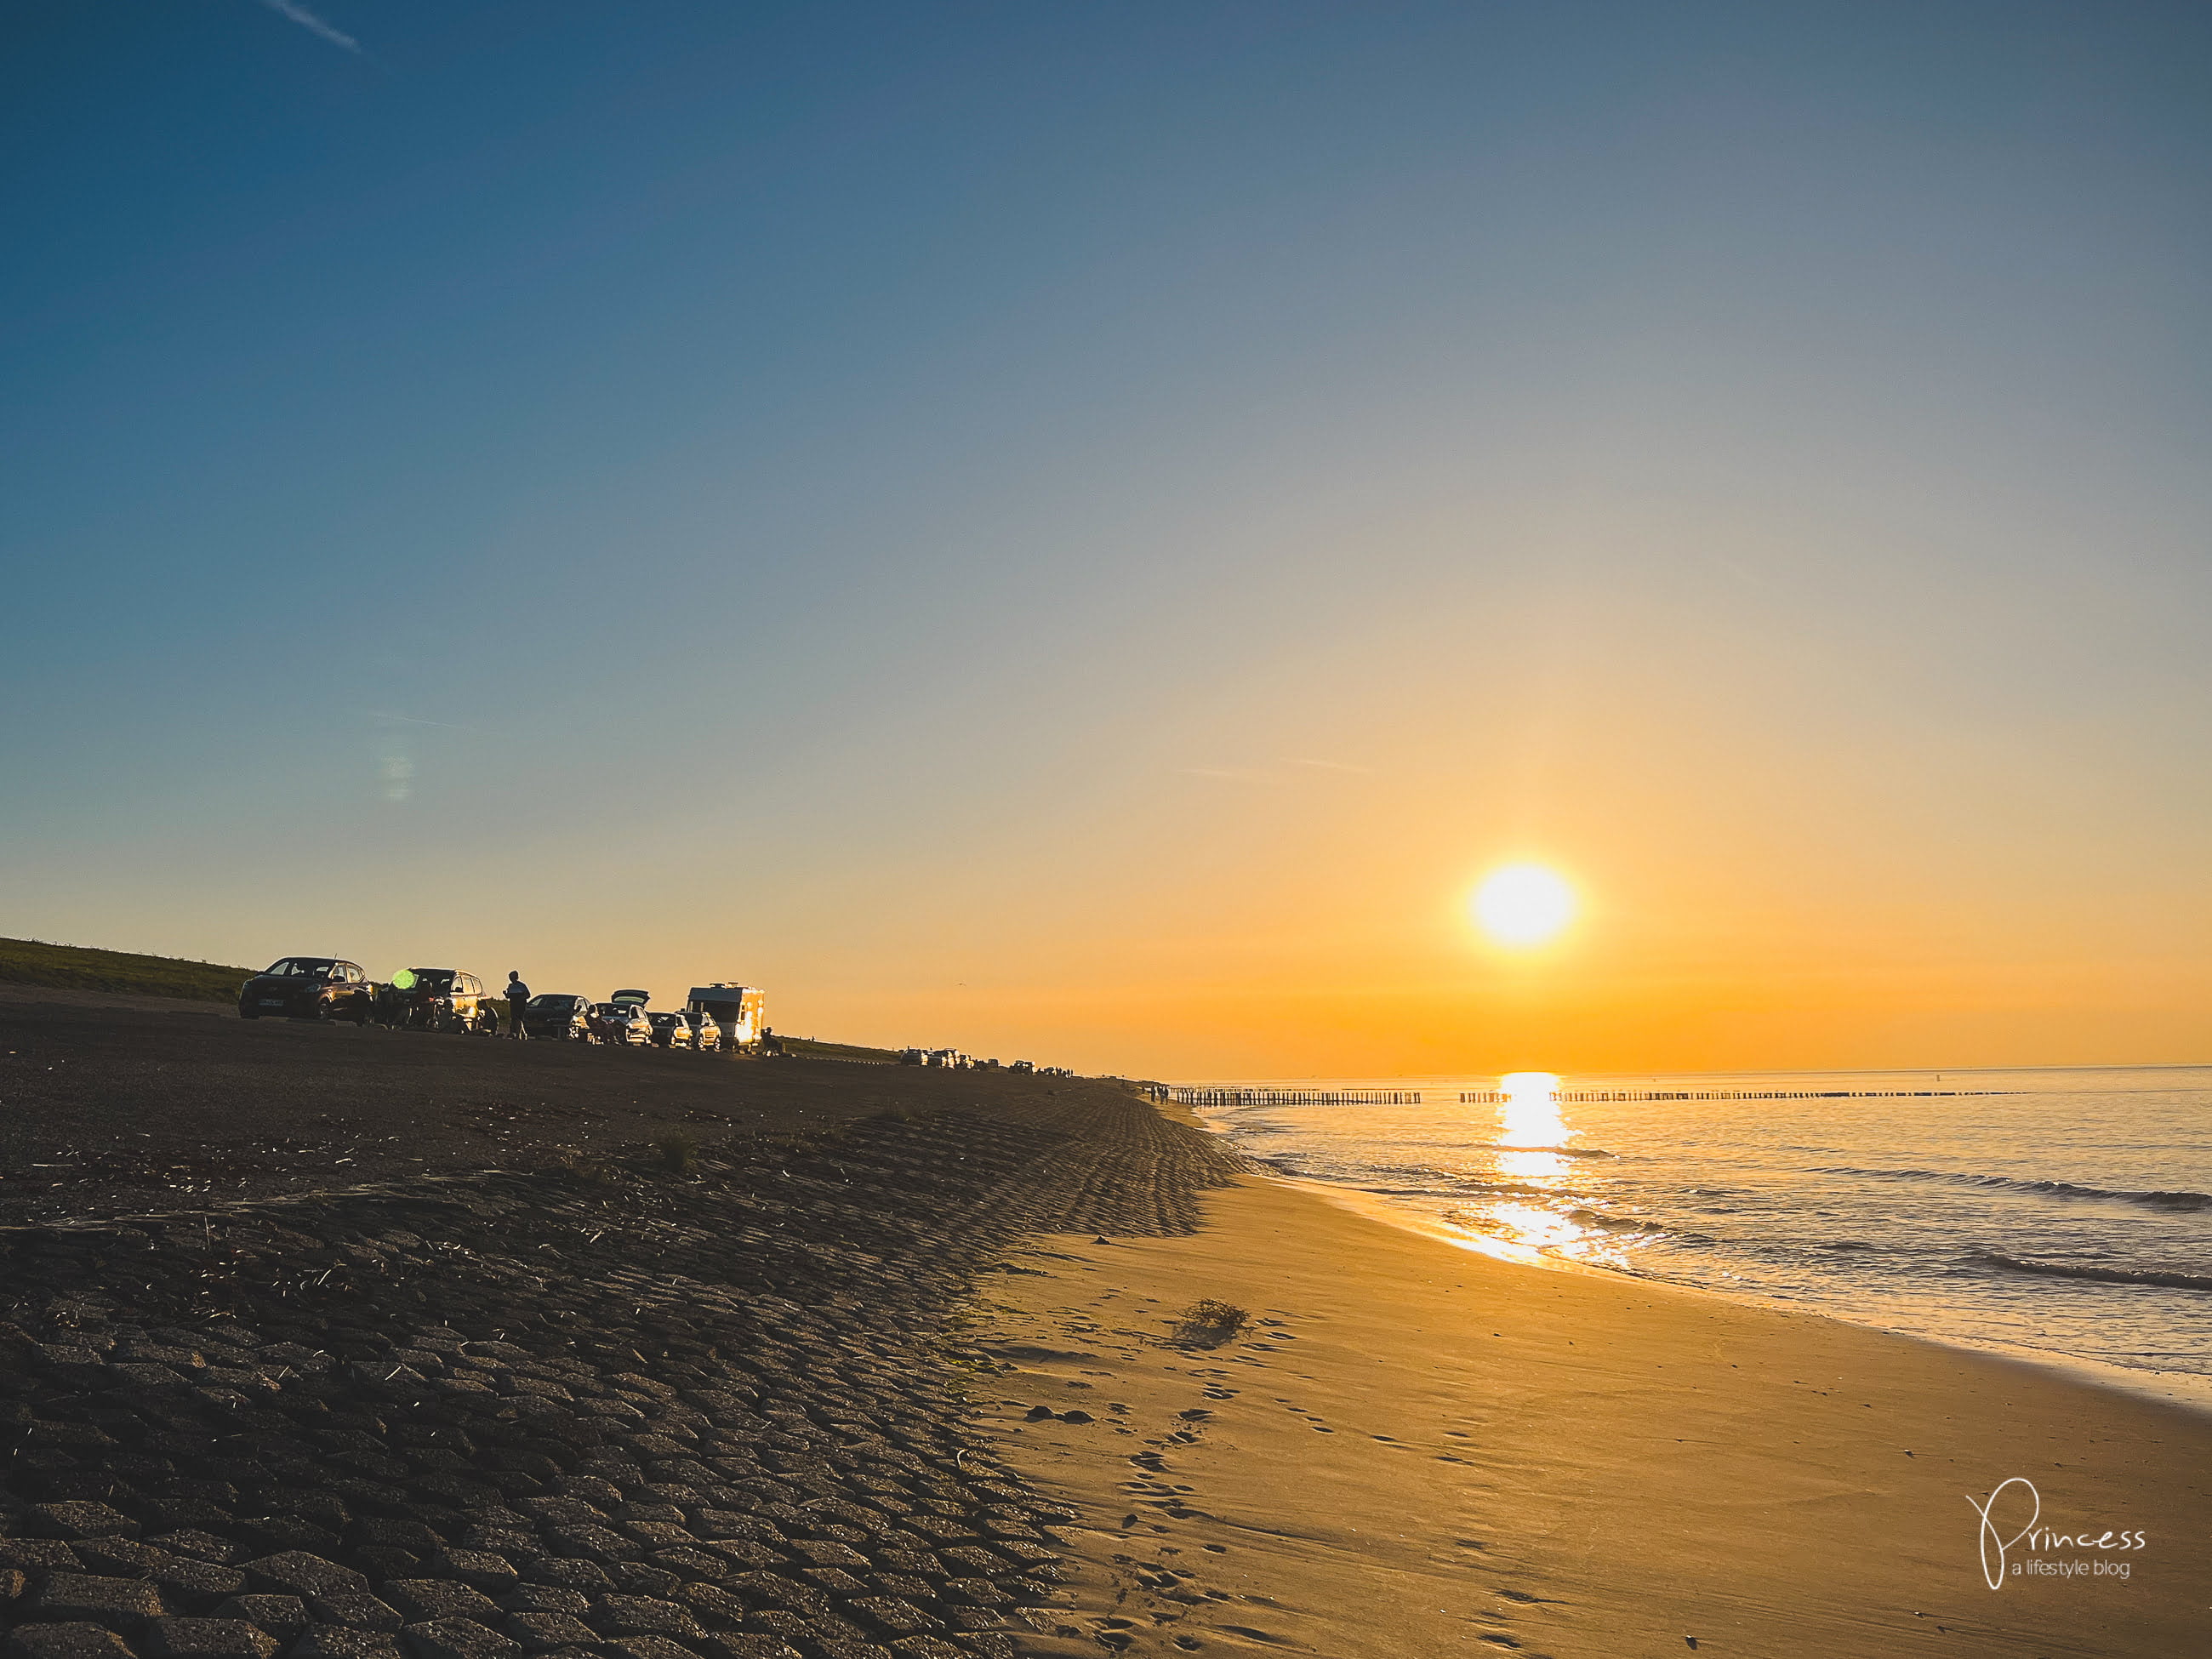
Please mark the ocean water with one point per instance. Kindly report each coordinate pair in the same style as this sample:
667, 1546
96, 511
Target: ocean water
2064, 1214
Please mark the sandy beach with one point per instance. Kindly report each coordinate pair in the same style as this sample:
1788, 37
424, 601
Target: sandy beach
1413, 1449
604, 1353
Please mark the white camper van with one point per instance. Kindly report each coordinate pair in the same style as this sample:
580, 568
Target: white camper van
730, 1015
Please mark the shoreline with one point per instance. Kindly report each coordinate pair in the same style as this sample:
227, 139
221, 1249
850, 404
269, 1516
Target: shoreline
2187, 1390
1416, 1449
1956, 1319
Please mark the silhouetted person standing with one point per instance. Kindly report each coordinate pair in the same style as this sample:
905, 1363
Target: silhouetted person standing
518, 999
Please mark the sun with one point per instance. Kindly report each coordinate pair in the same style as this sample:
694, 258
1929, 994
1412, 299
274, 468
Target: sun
1524, 904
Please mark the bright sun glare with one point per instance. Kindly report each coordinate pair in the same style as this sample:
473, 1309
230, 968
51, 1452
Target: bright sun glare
1524, 904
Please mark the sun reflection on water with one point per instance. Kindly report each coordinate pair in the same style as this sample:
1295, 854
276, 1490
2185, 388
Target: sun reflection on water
1531, 1150
1529, 1117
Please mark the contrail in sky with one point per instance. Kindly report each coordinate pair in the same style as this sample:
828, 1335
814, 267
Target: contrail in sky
314, 24
380, 714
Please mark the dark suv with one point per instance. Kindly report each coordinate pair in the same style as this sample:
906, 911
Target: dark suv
556, 1017
443, 999
308, 987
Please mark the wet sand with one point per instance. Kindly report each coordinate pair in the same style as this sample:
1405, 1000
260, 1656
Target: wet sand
1413, 1449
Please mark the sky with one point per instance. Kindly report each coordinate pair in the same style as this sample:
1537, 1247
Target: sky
1083, 531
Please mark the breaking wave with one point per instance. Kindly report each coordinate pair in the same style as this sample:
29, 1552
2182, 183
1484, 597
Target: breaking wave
2160, 1276
2157, 1200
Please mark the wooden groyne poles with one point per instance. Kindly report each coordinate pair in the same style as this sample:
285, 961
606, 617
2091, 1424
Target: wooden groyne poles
1295, 1097
1570, 1096
1495, 1097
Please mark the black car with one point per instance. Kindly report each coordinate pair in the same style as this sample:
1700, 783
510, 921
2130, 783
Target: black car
308, 987
556, 1018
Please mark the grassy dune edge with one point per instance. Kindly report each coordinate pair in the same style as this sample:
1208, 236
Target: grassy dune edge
81, 968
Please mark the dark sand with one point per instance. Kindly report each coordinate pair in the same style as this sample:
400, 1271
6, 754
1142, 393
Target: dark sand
107, 1100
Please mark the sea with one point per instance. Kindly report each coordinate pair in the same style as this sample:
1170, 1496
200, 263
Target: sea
2057, 1215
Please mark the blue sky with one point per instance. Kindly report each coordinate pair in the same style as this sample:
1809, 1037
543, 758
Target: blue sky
979, 516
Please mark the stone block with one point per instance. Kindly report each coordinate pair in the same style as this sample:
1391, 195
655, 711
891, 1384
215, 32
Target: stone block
711, 1604
458, 1638
826, 1552
427, 1601
567, 1573
778, 1591
121, 1604
121, 1557
642, 1578
356, 1612
890, 1614
343, 1642
200, 1545
282, 1616
541, 1632
189, 1581
79, 1520
641, 1616
544, 1598
38, 1555
479, 1568
296, 1572
187, 1514
295, 1532
206, 1638
76, 1640
977, 1592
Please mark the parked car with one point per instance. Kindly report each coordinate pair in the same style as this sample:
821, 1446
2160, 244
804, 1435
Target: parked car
444, 1000
557, 1017
672, 1030
618, 1023
308, 987
640, 998
1022, 1066
913, 1057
